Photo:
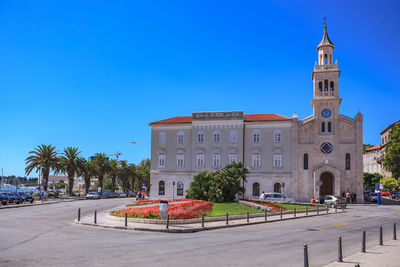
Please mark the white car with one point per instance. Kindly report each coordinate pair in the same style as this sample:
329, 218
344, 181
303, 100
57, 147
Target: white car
278, 197
92, 195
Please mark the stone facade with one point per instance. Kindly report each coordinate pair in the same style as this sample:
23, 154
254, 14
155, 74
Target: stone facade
370, 157
320, 154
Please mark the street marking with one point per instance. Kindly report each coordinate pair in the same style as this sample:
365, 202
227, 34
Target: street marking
397, 212
331, 225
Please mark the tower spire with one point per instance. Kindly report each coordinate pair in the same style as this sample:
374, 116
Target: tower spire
325, 38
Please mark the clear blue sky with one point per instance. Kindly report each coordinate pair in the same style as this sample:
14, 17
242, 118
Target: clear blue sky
94, 74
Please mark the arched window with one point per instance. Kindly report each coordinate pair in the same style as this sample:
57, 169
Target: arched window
330, 59
326, 86
256, 136
329, 127
216, 137
256, 189
332, 87
320, 86
325, 59
323, 127
161, 188
180, 137
233, 137
162, 138
305, 161
277, 188
347, 161
277, 136
179, 188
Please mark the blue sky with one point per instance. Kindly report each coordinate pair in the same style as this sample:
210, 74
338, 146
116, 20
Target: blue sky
93, 74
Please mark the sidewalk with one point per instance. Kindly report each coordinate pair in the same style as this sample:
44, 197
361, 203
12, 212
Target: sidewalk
383, 256
103, 221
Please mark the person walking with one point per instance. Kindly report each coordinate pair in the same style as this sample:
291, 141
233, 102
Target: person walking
312, 200
262, 196
348, 195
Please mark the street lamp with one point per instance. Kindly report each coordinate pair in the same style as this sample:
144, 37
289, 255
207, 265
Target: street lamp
173, 190
136, 143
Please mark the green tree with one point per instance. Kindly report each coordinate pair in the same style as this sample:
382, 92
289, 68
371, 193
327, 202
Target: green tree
143, 173
108, 185
102, 168
60, 185
87, 171
389, 183
114, 170
71, 163
133, 174
200, 186
124, 174
42, 158
371, 179
391, 160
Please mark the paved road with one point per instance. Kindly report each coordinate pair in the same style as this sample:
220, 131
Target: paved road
46, 235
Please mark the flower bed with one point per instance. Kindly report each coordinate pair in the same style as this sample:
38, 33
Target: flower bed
148, 202
186, 210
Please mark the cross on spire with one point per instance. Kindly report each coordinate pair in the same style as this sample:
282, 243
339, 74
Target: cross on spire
324, 20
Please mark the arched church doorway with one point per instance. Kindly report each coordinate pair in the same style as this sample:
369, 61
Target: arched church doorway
327, 184
277, 188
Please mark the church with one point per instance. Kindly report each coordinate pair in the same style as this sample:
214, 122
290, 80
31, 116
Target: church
301, 158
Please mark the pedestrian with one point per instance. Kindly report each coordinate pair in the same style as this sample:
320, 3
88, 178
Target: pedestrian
40, 195
262, 196
312, 200
144, 195
348, 197
355, 198
352, 197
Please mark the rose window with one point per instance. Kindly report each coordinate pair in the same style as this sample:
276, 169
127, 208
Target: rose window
326, 148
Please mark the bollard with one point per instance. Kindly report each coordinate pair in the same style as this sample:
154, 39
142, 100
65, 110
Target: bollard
281, 213
305, 256
307, 211
380, 236
363, 242
126, 218
167, 224
227, 219
342, 207
294, 212
247, 217
394, 231
265, 215
202, 220
317, 210
327, 210
95, 216
335, 208
79, 214
340, 256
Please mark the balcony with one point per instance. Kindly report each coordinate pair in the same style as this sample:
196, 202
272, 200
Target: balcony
326, 67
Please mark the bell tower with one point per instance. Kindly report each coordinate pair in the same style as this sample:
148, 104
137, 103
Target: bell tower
325, 78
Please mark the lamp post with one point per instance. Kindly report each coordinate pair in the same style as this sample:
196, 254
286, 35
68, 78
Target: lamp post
173, 190
136, 143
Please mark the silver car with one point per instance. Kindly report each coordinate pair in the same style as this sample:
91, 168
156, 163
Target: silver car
92, 195
335, 201
277, 197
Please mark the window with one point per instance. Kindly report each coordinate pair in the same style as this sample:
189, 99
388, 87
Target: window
329, 127
256, 136
232, 158
326, 86
325, 59
179, 188
277, 161
277, 136
256, 189
326, 148
180, 160
322, 127
162, 138
161, 160
200, 160
332, 87
161, 188
180, 137
216, 137
347, 161
233, 137
320, 87
216, 160
200, 137
305, 161
277, 188
256, 160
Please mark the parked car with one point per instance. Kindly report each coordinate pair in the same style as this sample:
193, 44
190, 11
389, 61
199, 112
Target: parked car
278, 197
3, 199
334, 201
93, 195
373, 197
321, 200
27, 197
122, 194
13, 198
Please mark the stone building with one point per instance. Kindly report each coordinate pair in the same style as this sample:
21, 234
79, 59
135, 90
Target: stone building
318, 155
370, 157
385, 137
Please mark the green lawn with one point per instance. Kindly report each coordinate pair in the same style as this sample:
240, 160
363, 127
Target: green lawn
233, 208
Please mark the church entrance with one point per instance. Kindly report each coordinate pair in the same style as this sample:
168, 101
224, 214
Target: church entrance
327, 184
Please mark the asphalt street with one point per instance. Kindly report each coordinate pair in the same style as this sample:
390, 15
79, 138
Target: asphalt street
47, 236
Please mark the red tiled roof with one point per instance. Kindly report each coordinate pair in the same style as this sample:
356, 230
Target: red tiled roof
247, 117
372, 148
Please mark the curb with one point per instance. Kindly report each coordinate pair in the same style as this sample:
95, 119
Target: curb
36, 205
193, 230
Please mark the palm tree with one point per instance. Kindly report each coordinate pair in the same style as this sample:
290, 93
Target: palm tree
70, 165
124, 174
133, 174
102, 168
87, 171
114, 169
42, 158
